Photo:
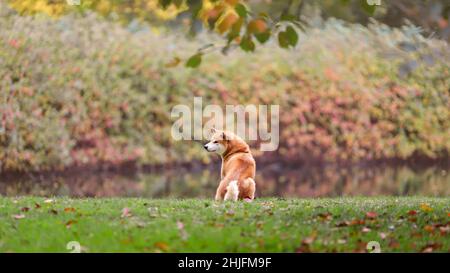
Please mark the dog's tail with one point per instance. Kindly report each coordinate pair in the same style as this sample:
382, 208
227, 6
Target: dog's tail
232, 191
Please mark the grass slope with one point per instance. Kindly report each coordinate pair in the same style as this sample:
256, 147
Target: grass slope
35, 224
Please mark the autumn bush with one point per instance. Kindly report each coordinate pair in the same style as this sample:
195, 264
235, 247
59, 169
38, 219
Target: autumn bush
82, 90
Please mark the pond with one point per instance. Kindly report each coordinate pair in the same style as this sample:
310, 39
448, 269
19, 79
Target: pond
272, 180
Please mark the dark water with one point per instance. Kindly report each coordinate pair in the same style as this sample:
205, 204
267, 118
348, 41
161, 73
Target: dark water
272, 180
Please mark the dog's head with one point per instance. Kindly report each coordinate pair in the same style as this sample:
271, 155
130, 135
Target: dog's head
218, 142
223, 141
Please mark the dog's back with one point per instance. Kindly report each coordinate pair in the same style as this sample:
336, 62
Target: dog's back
240, 168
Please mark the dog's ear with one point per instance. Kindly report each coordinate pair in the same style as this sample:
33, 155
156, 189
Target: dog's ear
224, 136
212, 130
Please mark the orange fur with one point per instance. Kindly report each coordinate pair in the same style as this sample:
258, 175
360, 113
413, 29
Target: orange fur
237, 165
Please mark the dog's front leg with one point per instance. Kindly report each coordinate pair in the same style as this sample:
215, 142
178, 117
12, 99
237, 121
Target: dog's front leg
221, 190
218, 197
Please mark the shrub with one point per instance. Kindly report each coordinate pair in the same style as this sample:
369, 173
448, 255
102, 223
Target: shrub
82, 90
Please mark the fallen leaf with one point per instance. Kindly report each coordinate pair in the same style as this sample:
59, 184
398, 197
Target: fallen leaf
126, 213
412, 212
430, 247
183, 233
371, 215
308, 240
426, 207
70, 223
356, 222
325, 216
37, 206
429, 228
259, 224
304, 248
47, 201
153, 211
343, 224
365, 230
162, 246
361, 247
19, 216
53, 211
180, 225
427, 250
230, 212
174, 62
394, 244
25, 209
261, 242
444, 230
139, 223
69, 209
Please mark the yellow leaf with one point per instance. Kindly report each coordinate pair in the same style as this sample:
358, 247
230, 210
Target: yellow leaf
162, 246
429, 228
426, 207
226, 22
232, 2
69, 209
174, 62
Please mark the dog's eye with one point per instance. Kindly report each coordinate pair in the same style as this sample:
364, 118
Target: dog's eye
215, 142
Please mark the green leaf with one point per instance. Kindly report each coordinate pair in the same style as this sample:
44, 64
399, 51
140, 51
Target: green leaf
241, 10
262, 37
164, 3
292, 36
178, 3
194, 61
247, 44
235, 29
288, 17
283, 39
288, 38
370, 9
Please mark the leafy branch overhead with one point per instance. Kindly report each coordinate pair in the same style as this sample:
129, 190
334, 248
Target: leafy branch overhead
240, 26
246, 24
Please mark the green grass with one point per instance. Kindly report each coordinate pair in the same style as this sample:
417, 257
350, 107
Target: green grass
408, 224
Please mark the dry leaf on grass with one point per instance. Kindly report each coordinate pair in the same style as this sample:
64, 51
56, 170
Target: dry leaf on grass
126, 213
162, 246
371, 215
18, 216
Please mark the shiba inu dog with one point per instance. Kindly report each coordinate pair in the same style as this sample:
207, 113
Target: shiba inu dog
238, 166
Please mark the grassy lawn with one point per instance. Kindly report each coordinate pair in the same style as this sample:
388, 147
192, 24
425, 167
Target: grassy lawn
34, 224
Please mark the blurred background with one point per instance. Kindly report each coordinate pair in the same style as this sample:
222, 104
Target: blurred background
86, 94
